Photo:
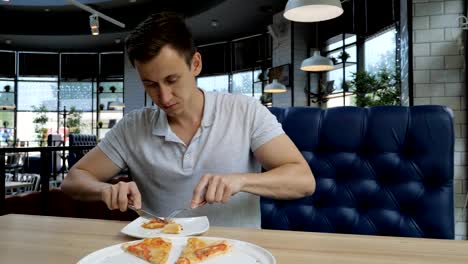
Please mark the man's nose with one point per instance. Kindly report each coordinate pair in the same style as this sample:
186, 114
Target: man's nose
165, 94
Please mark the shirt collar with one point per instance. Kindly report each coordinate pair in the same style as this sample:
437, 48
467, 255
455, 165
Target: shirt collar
161, 128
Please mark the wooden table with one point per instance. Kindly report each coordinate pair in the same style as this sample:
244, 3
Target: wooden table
40, 239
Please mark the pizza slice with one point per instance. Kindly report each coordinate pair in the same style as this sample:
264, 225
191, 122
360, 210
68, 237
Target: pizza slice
172, 228
154, 250
198, 250
154, 224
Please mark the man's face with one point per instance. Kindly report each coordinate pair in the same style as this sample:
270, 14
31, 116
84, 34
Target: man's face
169, 80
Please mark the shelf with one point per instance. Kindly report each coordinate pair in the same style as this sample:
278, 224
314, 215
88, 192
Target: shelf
340, 65
110, 111
8, 92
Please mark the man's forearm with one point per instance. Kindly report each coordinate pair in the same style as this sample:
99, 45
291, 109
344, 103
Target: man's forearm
289, 181
80, 185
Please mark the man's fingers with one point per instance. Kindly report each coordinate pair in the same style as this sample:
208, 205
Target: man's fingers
114, 197
212, 188
122, 196
227, 194
134, 195
199, 192
220, 191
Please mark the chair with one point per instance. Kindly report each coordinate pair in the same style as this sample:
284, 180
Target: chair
79, 140
34, 179
55, 162
14, 163
379, 171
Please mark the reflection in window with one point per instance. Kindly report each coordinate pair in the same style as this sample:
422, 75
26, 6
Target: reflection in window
26, 127
37, 93
76, 94
380, 52
342, 71
242, 83
219, 83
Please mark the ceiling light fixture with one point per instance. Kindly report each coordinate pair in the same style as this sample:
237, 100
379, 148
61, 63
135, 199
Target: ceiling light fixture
317, 63
312, 10
94, 24
275, 87
96, 14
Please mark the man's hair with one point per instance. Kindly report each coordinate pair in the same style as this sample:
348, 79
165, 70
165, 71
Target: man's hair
157, 31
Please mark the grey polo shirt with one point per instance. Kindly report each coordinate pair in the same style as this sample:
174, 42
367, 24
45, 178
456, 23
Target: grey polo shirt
166, 170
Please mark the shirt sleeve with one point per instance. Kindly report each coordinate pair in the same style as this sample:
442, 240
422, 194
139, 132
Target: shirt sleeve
114, 144
265, 126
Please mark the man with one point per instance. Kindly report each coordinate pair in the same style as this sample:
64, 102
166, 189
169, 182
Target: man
196, 147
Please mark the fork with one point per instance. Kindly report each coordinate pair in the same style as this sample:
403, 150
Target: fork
176, 212
146, 214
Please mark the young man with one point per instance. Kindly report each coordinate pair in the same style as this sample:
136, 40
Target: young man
196, 147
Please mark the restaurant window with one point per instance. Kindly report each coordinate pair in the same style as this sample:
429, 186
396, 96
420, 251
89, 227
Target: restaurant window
337, 49
380, 51
217, 83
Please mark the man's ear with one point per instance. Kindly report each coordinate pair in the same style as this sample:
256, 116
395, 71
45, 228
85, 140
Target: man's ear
196, 64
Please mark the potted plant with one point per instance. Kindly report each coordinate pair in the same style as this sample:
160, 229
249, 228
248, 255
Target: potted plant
266, 99
382, 88
74, 121
100, 124
334, 60
344, 56
40, 121
100, 89
101, 106
7, 88
112, 89
5, 124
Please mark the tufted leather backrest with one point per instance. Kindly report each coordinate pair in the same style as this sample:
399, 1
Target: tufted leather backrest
79, 140
379, 171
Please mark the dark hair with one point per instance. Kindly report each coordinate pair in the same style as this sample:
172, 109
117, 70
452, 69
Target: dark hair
157, 31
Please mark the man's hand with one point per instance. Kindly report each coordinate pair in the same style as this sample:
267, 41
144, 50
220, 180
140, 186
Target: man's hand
215, 188
120, 195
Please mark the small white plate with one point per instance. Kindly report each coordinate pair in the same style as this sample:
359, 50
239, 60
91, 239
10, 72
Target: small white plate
242, 252
191, 226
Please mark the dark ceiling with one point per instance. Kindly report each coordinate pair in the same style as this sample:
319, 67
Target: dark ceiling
58, 25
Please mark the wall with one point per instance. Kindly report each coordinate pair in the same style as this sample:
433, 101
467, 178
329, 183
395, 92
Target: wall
134, 95
281, 54
438, 79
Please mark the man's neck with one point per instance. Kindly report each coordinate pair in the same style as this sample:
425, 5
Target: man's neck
193, 113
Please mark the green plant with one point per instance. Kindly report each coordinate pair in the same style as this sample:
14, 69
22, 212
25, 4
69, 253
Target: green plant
100, 124
6, 124
74, 121
334, 60
266, 98
344, 56
7, 88
40, 121
101, 106
382, 88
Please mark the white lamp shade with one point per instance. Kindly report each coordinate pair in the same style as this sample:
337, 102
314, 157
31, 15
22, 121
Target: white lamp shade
275, 87
312, 10
317, 63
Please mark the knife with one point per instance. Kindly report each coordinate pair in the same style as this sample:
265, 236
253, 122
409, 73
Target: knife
145, 213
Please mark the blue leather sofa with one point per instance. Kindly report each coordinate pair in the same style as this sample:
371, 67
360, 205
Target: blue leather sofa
379, 171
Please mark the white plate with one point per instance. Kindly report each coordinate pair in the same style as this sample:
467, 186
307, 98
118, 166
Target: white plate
191, 226
242, 252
